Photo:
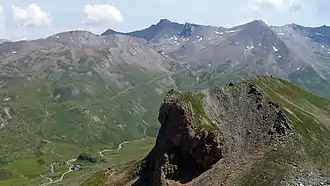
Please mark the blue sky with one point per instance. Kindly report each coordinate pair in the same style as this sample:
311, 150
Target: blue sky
27, 19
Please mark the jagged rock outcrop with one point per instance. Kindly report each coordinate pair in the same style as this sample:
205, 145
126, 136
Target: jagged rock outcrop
183, 150
229, 124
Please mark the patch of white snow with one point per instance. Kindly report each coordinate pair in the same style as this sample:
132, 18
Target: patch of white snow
231, 31
200, 39
275, 49
319, 34
281, 34
57, 37
14, 52
250, 47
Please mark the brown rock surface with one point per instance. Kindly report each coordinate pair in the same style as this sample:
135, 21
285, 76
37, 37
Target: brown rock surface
242, 125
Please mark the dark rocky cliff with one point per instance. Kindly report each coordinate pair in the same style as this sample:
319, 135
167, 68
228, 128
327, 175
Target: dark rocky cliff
219, 129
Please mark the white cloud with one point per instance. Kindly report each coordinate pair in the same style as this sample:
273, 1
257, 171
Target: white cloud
102, 14
32, 16
280, 5
2, 19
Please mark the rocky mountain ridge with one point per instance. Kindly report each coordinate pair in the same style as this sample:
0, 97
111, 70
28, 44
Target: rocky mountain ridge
248, 133
189, 142
291, 51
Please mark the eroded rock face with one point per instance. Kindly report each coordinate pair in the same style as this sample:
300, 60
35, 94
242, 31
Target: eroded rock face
247, 123
182, 152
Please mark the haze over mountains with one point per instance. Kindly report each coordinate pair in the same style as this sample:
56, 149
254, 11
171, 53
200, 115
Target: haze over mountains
77, 92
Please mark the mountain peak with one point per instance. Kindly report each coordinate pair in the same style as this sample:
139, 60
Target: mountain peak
110, 32
257, 22
164, 21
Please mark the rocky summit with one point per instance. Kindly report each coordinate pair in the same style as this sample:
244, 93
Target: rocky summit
231, 124
248, 133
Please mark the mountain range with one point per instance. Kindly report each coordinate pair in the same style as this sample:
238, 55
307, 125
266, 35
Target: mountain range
299, 54
77, 92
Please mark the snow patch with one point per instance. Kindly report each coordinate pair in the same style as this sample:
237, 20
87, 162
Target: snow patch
231, 31
14, 52
57, 37
279, 56
218, 32
236, 42
298, 68
250, 47
210, 65
275, 49
200, 39
322, 46
173, 38
319, 34
281, 34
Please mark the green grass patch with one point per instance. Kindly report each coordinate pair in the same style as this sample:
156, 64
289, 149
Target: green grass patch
196, 101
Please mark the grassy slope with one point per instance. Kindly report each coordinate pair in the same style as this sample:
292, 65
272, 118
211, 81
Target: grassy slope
311, 122
118, 159
99, 117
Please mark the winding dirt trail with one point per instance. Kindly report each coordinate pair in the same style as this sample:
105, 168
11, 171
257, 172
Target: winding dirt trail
51, 181
111, 150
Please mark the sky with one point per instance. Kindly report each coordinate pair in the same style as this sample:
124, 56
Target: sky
32, 19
